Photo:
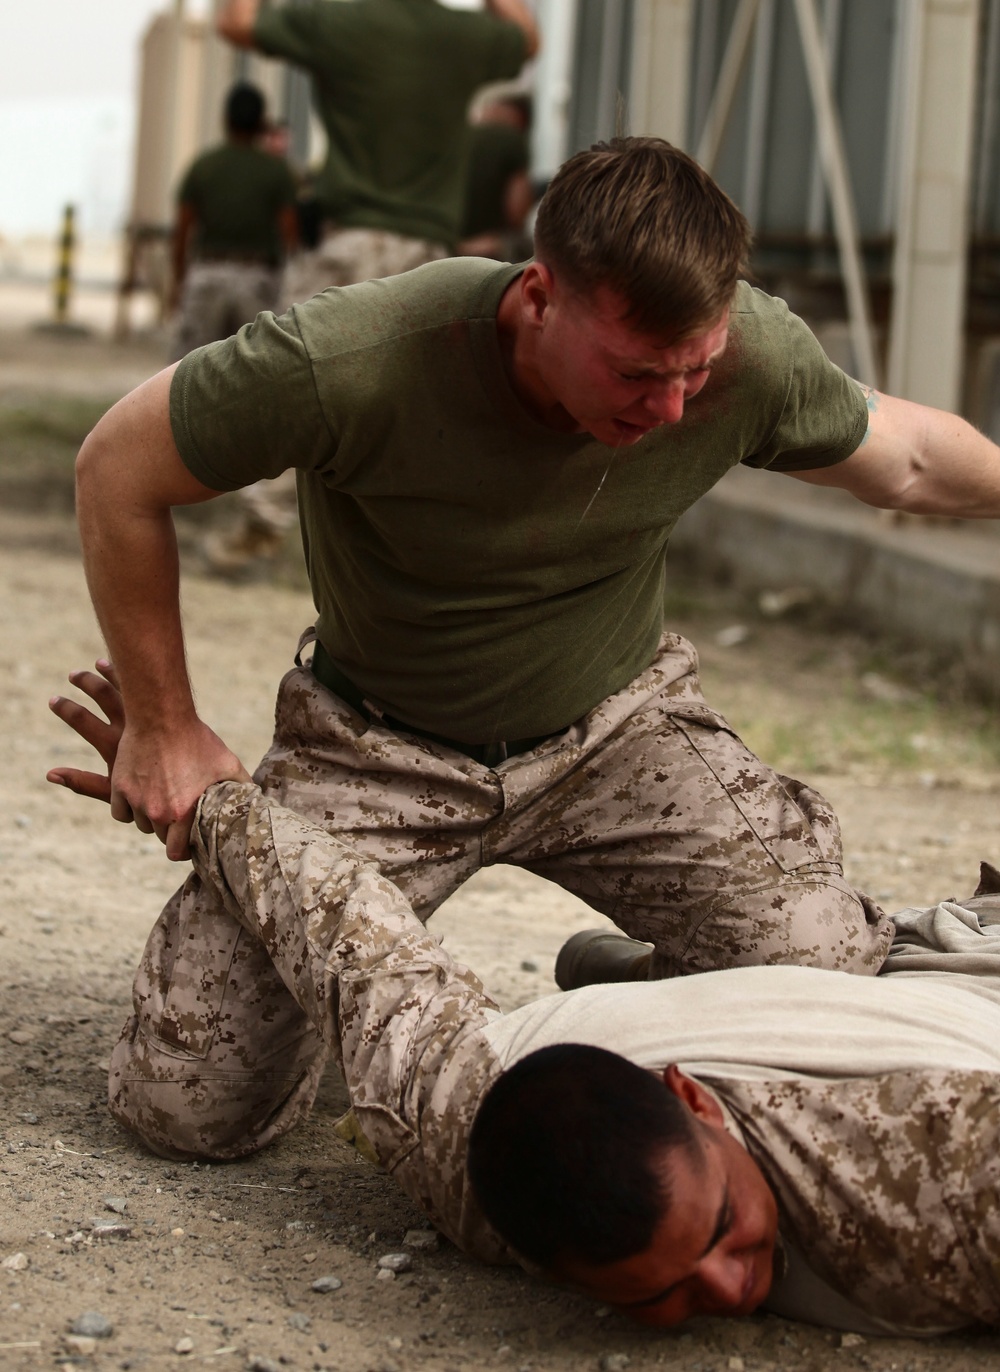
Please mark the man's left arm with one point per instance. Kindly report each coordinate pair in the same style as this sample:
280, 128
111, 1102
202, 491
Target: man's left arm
919, 460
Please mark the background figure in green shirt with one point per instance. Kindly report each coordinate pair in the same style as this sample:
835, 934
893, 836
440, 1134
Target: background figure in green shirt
498, 191
392, 81
235, 224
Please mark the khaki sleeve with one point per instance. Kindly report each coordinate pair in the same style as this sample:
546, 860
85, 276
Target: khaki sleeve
401, 1016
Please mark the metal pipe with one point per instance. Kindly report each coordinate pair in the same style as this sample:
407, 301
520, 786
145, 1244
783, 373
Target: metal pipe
834, 162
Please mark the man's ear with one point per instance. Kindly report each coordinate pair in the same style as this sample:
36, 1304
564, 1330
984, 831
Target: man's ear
700, 1102
537, 291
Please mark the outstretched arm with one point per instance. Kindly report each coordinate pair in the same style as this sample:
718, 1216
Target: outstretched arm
129, 476
920, 460
235, 22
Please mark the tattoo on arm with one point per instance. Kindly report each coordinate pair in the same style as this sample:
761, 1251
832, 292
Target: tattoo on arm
871, 400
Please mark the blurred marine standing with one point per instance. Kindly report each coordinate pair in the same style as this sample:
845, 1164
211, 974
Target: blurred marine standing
392, 81
235, 224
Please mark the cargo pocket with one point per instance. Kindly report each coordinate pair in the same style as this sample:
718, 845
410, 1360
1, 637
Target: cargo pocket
793, 823
196, 983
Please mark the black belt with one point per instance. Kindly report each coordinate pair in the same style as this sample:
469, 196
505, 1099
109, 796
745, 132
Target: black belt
487, 754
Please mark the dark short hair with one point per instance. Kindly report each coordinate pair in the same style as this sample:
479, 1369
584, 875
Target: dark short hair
641, 217
567, 1153
244, 108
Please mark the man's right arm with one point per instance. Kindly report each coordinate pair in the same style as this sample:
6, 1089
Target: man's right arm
235, 22
129, 475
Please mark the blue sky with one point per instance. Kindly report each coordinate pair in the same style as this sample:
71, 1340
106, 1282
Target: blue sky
67, 83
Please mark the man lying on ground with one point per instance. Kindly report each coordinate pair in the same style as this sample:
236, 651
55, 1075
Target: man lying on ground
806, 1141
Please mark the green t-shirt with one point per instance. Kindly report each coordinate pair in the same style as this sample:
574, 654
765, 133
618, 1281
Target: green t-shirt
237, 193
392, 80
476, 573
497, 152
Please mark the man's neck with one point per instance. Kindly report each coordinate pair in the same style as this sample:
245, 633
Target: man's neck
517, 348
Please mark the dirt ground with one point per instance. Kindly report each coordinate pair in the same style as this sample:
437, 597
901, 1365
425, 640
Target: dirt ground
216, 1264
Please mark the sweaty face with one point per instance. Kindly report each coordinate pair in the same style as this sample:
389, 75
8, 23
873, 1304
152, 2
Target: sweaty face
613, 381
713, 1254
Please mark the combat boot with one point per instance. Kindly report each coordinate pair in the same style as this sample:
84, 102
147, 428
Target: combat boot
596, 956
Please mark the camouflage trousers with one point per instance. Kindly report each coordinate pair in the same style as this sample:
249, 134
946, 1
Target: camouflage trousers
346, 256
649, 808
219, 298
343, 258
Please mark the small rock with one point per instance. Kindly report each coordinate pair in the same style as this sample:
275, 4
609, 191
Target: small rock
731, 637
384, 1274
395, 1262
92, 1325
103, 1228
21, 1037
775, 604
29, 1118
300, 1322
614, 1362
79, 1344
851, 1340
23, 821
395, 1343
325, 1284
177, 1233
878, 687
17, 1262
421, 1240
185, 1345
529, 965
256, 1363
736, 1364
118, 1204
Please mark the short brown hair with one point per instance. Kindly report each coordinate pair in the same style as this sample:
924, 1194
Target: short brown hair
641, 217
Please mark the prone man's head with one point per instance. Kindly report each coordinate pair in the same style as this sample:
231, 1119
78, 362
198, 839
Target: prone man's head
244, 112
625, 1184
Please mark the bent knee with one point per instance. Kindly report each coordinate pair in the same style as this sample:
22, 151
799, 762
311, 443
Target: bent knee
807, 921
182, 1108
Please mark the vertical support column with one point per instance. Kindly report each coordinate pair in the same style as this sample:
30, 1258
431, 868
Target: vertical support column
552, 84
929, 272
661, 65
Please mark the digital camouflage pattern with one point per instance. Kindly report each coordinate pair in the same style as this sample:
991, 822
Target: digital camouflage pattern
890, 1184
218, 298
649, 808
401, 1017
345, 256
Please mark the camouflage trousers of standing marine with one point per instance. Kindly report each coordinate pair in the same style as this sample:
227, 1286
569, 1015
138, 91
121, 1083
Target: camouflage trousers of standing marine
649, 808
218, 298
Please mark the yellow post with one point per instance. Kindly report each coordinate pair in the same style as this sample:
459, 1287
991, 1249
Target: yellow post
64, 270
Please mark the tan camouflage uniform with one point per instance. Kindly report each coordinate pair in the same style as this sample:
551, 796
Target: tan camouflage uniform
889, 1184
219, 297
649, 808
342, 258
